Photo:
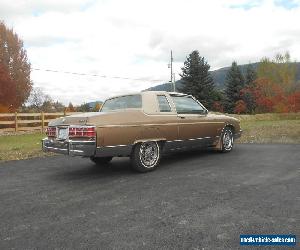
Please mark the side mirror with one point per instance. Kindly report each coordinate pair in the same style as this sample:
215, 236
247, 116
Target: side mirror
206, 111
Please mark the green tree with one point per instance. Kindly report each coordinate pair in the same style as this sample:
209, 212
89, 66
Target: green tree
196, 79
234, 83
58, 106
279, 70
70, 108
84, 108
14, 57
247, 93
250, 75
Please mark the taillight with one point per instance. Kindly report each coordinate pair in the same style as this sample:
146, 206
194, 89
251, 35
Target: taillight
51, 131
84, 131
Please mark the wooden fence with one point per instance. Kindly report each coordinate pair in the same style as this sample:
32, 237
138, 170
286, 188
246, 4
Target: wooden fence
14, 122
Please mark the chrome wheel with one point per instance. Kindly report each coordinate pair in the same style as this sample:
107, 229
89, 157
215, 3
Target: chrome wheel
227, 140
149, 154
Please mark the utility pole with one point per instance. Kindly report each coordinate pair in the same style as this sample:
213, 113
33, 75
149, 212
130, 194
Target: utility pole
172, 74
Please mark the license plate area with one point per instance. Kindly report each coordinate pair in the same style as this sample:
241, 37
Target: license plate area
62, 133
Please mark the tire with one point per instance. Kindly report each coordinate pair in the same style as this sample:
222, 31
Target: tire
146, 156
101, 160
227, 140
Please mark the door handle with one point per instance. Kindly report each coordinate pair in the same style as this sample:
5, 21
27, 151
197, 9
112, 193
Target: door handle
182, 117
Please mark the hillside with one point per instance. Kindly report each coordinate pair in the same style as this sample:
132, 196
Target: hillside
218, 75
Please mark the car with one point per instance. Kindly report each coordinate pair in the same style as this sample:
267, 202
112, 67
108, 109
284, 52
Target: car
142, 126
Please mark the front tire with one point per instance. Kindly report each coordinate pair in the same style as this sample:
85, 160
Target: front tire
101, 160
227, 140
146, 156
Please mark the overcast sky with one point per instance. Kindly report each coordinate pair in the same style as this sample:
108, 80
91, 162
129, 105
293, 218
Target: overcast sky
133, 39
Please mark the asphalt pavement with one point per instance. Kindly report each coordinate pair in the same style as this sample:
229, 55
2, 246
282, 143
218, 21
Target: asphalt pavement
194, 200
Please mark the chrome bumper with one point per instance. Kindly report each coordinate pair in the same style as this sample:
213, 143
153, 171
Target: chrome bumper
69, 147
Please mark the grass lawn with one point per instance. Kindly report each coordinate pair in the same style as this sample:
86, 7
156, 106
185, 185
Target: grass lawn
281, 131
16, 147
261, 128
270, 128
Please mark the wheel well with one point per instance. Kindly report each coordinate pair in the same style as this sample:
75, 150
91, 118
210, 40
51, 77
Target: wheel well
230, 127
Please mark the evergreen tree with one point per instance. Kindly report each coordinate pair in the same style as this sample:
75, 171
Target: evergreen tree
251, 75
84, 108
71, 107
247, 93
234, 83
196, 79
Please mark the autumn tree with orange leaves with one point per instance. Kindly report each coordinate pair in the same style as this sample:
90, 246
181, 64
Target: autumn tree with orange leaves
7, 90
275, 89
13, 60
271, 88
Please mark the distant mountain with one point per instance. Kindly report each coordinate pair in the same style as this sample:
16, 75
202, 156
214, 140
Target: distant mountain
166, 86
218, 75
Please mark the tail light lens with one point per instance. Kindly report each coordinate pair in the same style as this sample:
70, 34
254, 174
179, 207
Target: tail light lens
51, 131
86, 131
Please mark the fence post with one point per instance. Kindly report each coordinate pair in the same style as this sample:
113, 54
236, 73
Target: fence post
43, 122
16, 122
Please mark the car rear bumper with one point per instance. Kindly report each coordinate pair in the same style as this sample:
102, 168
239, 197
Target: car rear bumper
69, 147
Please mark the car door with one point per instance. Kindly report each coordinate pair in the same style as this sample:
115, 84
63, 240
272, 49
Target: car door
194, 129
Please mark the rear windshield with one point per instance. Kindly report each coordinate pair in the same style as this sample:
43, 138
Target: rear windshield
122, 102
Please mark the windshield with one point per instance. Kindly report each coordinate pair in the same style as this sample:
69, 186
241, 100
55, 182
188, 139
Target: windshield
122, 102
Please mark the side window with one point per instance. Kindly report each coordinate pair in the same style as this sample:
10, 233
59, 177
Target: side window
187, 105
163, 103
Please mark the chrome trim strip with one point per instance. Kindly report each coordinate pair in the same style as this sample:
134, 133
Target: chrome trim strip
187, 143
193, 139
114, 146
157, 124
60, 149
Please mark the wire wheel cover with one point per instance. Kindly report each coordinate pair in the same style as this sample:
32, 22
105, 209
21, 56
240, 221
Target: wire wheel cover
149, 154
227, 140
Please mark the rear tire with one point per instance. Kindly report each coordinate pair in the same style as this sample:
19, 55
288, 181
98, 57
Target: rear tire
227, 140
101, 160
146, 156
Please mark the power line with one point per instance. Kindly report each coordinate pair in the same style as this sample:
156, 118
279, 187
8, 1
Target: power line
97, 75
